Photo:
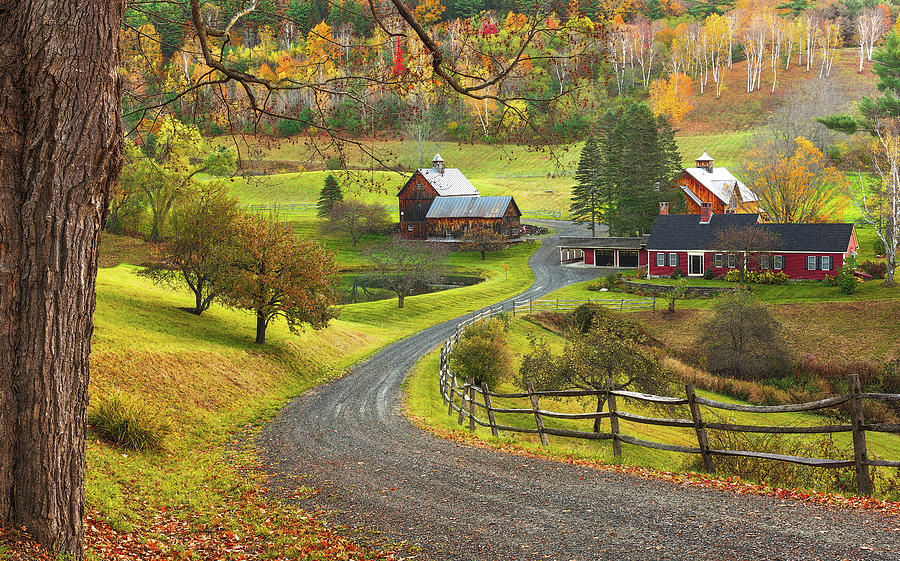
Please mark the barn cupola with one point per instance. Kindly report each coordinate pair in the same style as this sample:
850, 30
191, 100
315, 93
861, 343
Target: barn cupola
663, 207
705, 162
438, 164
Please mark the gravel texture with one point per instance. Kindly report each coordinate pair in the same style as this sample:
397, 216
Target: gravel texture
377, 474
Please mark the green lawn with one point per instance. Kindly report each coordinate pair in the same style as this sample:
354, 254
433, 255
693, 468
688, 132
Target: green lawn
424, 403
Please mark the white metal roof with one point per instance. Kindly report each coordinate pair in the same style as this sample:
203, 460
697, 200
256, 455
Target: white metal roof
705, 158
451, 183
721, 183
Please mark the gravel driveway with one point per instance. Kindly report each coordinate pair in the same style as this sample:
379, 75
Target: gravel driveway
378, 474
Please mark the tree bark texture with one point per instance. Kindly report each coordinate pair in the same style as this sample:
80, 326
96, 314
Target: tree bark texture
262, 322
60, 154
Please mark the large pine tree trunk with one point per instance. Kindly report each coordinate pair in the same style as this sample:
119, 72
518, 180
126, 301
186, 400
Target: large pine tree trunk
60, 153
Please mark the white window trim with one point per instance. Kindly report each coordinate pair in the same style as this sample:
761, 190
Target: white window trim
718, 260
658, 255
814, 263
673, 257
732, 258
830, 263
775, 260
702, 263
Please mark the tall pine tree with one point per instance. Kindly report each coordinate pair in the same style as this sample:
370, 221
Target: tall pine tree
330, 194
585, 197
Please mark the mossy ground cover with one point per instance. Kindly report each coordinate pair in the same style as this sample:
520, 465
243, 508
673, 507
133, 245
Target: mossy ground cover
424, 403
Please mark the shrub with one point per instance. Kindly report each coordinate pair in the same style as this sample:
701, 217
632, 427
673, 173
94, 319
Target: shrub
846, 280
757, 277
781, 474
878, 246
582, 317
875, 268
333, 163
612, 281
130, 423
743, 340
709, 274
677, 273
483, 354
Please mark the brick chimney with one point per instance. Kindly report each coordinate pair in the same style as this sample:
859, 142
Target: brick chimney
438, 164
705, 213
663, 207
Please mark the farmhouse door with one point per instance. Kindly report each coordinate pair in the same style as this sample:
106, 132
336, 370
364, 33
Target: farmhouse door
695, 264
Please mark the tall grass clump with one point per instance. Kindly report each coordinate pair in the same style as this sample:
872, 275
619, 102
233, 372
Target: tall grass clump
129, 423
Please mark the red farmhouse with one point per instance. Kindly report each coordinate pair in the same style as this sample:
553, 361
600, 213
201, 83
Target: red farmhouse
805, 251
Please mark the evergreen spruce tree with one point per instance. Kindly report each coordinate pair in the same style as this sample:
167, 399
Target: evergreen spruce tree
585, 202
330, 194
610, 129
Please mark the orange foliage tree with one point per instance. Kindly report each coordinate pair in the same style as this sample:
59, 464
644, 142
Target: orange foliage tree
798, 187
671, 97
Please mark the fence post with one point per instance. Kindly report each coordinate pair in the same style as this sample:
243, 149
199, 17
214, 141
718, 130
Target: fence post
654, 303
699, 428
537, 414
863, 479
613, 418
530, 306
489, 407
462, 402
451, 392
471, 384
622, 305
514, 308
557, 304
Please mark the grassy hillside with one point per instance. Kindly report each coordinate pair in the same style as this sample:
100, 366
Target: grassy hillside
207, 376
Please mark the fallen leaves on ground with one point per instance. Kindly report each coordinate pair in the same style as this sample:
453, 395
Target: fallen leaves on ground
700, 480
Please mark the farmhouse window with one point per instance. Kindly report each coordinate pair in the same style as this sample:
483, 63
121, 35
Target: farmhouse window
826, 263
660, 259
717, 260
764, 262
409, 228
673, 260
779, 261
811, 263
732, 260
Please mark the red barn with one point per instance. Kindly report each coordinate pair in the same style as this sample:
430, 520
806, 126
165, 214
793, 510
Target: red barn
717, 187
425, 185
805, 251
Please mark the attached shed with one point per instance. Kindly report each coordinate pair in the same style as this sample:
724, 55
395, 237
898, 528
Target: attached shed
604, 251
451, 217
426, 185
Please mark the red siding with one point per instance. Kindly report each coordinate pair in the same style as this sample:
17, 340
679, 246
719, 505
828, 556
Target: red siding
642, 258
667, 271
588, 256
794, 265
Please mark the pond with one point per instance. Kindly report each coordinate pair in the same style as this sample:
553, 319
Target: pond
367, 287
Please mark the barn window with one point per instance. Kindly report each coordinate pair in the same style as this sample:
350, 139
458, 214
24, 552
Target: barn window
826, 263
717, 260
811, 263
779, 261
732, 260
660, 259
409, 228
673, 260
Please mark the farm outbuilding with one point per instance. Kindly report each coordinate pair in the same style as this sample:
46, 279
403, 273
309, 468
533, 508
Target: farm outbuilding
441, 203
624, 252
715, 187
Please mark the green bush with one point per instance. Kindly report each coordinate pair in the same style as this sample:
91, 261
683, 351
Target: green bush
878, 246
333, 163
483, 354
757, 277
130, 423
709, 274
582, 317
677, 273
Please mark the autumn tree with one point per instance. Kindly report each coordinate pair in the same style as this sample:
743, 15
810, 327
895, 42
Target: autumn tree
590, 361
356, 219
402, 265
482, 239
671, 97
273, 273
878, 200
329, 196
747, 243
198, 252
743, 339
798, 187
60, 156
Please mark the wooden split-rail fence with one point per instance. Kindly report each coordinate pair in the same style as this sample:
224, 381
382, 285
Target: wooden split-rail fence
475, 402
548, 304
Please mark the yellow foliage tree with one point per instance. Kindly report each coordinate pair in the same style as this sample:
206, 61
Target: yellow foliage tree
798, 187
429, 11
671, 97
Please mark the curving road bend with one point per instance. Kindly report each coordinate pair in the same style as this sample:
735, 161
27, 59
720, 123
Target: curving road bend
376, 473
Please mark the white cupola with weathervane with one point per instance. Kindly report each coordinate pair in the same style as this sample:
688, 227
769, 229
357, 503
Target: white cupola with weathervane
705, 162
